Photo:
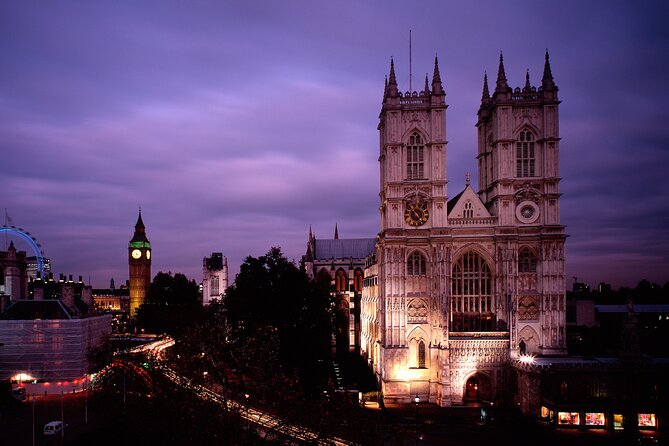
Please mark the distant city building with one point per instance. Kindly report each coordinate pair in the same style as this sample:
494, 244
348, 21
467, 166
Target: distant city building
139, 262
114, 301
214, 277
48, 330
13, 275
33, 267
341, 263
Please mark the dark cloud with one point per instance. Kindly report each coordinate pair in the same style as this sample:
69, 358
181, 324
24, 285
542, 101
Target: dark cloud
236, 126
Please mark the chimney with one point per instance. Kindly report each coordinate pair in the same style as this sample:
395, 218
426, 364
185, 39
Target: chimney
67, 296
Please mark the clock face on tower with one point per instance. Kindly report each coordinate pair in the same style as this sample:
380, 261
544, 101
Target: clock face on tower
148, 254
136, 253
416, 214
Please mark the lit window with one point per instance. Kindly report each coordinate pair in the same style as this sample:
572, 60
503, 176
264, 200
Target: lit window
416, 264
415, 169
647, 420
471, 303
569, 418
357, 280
525, 154
594, 419
214, 286
340, 281
618, 422
421, 354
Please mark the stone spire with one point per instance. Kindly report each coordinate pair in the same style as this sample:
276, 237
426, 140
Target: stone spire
391, 88
485, 97
336, 235
437, 87
501, 86
527, 88
547, 83
426, 89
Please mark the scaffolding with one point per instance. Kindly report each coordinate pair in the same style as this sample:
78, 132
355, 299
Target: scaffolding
53, 349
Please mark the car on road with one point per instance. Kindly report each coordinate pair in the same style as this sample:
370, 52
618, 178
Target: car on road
53, 427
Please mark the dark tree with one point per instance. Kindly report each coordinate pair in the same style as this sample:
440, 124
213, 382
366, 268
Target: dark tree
273, 294
173, 304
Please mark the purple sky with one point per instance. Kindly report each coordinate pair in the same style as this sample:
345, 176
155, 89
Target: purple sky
237, 126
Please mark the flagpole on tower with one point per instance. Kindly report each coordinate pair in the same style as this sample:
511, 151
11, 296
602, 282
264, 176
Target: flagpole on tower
410, 73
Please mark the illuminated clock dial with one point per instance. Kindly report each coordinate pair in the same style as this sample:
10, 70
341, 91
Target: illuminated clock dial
148, 254
136, 253
416, 214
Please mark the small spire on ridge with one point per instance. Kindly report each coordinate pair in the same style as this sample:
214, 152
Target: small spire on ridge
547, 83
437, 87
501, 76
486, 93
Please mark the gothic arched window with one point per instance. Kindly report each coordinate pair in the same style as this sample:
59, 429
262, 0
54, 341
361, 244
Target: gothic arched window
416, 264
357, 280
213, 286
421, 354
472, 303
415, 166
525, 154
341, 281
527, 262
469, 210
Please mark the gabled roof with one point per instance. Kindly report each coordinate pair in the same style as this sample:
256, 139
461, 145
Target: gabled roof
355, 248
36, 309
456, 205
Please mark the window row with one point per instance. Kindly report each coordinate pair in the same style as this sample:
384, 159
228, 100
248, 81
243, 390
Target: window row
470, 268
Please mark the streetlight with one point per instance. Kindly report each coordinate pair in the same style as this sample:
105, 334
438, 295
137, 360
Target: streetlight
33, 419
62, 417
417, 400
85, 381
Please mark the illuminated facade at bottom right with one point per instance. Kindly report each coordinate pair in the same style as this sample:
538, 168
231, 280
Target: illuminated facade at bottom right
464, 297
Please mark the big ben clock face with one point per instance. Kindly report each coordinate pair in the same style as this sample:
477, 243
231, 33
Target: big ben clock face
148, 255
136, 253
416, 214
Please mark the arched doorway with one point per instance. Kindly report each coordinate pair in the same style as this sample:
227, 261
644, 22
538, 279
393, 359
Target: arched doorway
477, 388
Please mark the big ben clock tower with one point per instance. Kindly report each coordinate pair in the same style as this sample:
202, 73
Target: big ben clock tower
139, 260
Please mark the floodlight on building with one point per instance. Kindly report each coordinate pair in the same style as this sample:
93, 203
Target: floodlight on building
526, 359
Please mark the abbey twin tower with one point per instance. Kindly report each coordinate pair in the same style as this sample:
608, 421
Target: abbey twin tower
457, 287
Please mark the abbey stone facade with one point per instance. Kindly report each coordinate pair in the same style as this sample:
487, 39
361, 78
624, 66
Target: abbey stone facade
460, 286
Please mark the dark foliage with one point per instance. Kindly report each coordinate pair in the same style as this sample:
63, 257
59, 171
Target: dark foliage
272, 293
173, 305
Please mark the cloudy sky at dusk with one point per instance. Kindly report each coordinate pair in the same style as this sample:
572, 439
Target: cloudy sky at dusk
237, 125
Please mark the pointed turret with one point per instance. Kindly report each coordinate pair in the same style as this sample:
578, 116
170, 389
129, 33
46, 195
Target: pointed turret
391, 87
527, 88
502, 85
140, 231
140, 223
485, 97
547, 83
437, 87
336, 235
426, 89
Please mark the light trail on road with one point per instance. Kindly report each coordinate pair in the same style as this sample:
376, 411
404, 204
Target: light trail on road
263, 420
255, 416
